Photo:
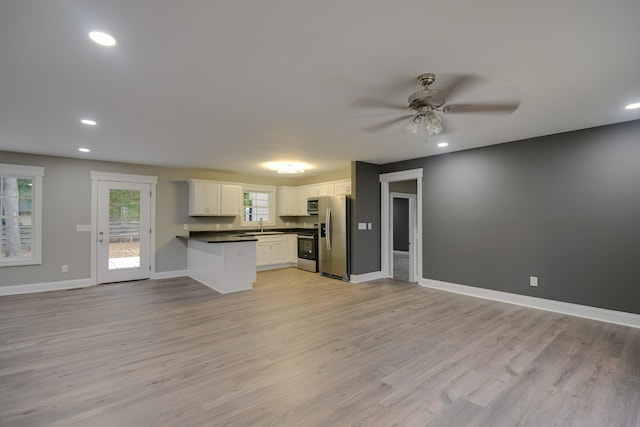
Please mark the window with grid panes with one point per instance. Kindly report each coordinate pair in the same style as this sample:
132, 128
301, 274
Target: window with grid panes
20, 214
258, 207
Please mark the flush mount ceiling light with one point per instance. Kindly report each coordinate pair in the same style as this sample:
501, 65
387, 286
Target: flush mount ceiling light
84, 150
633, 106
88, 122
443, 144
101, 38
287, 167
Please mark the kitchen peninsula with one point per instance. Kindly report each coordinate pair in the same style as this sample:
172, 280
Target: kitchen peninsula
223, 262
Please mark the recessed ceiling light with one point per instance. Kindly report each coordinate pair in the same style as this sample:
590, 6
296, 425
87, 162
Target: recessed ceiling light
633, 106
443, 144
287, 167
84, 150
88, 122
101, 38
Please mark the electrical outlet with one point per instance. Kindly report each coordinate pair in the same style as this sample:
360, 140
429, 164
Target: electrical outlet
186, 226
533, 281
65, 268
217, 226
369, 226
229, 226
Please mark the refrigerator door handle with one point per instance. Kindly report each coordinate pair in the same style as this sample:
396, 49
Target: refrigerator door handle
328, 232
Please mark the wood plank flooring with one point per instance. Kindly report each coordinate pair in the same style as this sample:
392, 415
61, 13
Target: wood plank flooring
302, 350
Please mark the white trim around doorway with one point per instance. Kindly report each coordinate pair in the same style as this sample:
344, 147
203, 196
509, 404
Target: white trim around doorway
385, 246
97, 176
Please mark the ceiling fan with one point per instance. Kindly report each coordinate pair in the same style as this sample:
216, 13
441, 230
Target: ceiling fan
428, 103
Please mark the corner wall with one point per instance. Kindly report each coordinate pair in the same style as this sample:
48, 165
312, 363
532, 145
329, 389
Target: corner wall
564, 208
365, 244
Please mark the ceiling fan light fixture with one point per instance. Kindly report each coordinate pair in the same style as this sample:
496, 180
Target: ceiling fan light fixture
414, 124
433, 123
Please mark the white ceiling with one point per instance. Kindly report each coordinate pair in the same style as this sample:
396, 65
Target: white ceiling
230, 84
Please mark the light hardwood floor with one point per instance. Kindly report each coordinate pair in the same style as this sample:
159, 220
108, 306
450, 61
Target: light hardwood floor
302, 350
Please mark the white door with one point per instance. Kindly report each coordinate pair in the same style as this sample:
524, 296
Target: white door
123, 231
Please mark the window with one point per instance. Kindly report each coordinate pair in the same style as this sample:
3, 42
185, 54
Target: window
20, 212
258, 206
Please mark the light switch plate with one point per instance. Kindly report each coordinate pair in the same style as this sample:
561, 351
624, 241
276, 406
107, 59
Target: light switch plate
362, 226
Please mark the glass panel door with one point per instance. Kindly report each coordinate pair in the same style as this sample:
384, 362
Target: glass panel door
123, 231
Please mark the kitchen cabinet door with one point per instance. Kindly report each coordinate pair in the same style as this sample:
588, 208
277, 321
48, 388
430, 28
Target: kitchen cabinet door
342, 188
204, 198
292, 248
278, 252
230, 200
263, 251
287, 198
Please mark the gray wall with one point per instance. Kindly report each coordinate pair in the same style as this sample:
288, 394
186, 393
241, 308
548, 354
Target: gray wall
67, 203
365, 244
400, 224
409, 187
564, 207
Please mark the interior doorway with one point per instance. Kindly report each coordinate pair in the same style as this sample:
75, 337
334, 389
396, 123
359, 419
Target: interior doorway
403, 230
401, 185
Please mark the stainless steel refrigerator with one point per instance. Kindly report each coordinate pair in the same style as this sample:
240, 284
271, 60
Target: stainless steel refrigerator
333, 246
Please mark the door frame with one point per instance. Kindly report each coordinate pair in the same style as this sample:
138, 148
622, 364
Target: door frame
386, 252
120, 177
412, 232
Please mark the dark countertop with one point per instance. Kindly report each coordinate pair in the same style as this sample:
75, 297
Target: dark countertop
249, 230
220, 238
230, 236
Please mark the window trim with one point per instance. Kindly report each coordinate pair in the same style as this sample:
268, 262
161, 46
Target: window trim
35, 173
271, 190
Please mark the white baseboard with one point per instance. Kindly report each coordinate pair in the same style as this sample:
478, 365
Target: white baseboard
594, 313
44, 287
170, 274
359, 278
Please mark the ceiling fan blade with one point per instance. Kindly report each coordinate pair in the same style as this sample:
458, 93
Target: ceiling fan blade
379, 126
457, 83
481, 108
377, 103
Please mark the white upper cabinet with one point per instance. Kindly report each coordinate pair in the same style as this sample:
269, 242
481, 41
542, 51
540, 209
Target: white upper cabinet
230, 200
208, 198
292, 201
342, 188
320, 190
286, 199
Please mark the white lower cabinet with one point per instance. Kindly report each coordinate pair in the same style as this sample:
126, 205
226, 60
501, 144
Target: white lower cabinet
276, 251
292, 248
